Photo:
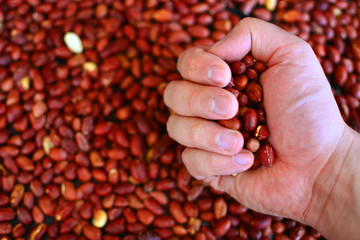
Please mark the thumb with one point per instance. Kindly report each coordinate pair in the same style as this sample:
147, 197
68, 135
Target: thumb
266, 42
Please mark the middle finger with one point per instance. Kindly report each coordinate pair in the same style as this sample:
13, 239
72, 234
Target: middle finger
194, 100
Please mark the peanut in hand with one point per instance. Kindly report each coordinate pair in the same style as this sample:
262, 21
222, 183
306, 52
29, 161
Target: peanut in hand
250, 119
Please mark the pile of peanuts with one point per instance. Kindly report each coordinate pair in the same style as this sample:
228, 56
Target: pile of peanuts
83, 149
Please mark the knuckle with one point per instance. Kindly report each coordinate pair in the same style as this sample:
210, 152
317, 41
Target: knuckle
211, 162
180, 62
170, 126
302, 45
185, 158
303, 49
246, 21
168, 93
191, 67
306, 47
185, 62
194, 51
195, 132
192, 100
181, 56
194, 169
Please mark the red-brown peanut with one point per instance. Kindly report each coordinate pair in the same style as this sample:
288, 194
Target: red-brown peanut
83, 131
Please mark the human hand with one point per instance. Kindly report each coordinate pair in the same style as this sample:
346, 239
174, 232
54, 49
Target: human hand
304, 121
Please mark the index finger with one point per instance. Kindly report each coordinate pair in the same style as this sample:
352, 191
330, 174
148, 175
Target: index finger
197, 65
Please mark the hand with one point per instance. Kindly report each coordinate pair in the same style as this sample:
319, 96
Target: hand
304, 121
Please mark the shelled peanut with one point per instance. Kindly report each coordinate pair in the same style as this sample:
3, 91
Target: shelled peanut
82, 141
250, 119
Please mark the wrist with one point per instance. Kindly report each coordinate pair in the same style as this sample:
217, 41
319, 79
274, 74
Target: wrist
333, 210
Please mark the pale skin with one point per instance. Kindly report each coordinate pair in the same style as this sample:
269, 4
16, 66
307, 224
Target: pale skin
314, 178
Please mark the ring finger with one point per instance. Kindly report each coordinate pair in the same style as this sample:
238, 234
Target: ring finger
204, 134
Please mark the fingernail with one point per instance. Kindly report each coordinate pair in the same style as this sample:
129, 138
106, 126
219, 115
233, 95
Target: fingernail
227, 141
220, 105
242, 159
216, 74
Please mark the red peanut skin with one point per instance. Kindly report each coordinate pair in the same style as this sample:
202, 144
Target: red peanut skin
250, 120
266, 155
